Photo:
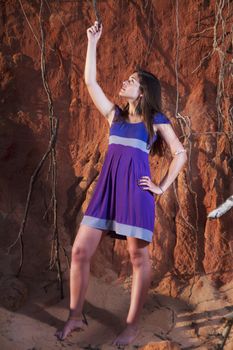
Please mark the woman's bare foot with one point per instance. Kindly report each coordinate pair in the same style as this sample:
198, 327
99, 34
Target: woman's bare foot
127, 336
70, 325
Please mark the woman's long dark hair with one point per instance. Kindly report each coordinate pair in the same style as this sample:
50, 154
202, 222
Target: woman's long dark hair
148, 105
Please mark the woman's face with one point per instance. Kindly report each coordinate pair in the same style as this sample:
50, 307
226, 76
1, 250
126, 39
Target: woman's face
130, 88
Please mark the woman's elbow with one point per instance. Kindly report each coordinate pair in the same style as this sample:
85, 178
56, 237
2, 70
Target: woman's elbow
88, 82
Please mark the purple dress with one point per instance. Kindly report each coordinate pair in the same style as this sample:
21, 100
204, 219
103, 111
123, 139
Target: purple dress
119, 204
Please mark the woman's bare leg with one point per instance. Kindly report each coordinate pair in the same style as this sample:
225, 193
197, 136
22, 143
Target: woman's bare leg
85, 244
139, 256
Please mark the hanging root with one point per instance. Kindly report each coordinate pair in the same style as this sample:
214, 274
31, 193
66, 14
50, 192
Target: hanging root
224, 128
185, 126
55, 250
51, 150
97, 15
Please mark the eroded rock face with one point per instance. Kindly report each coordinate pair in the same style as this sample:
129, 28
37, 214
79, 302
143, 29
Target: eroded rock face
13, 293
185, 242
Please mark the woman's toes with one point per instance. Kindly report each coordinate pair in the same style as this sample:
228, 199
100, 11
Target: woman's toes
70, 326
59, 335
127, 336
62, 334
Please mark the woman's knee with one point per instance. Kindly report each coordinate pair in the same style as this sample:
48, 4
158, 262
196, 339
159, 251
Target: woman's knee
85, 244
80, 254
139, 256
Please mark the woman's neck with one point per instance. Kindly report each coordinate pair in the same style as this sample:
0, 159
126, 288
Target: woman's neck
132, 116
135, 118
132, 108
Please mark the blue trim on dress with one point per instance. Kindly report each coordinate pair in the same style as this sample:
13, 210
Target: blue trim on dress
113, 225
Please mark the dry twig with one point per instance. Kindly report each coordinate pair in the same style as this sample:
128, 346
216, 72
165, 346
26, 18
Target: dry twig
51, 150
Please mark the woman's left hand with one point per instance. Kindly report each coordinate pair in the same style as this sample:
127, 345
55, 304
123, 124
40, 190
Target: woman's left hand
147, 184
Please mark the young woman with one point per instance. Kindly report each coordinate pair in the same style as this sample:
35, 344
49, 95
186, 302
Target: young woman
123, 203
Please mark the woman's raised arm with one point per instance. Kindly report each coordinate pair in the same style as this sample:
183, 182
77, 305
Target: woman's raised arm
103, 104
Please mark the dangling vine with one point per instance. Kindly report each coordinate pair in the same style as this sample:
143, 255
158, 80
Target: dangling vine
224, 71
51, 151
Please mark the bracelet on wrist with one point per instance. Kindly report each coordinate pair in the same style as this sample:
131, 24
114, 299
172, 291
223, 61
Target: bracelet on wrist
161, 189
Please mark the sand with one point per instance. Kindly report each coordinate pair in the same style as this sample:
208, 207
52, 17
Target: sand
196, 324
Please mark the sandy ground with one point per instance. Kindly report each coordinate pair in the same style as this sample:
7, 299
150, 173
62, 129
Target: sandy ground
33, 326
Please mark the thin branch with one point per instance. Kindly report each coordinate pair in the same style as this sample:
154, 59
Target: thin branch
55, 248
32, 181
30, 26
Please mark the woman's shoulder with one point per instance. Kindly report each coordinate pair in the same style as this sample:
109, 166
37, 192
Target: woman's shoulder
118, 110
160, 118
118, 113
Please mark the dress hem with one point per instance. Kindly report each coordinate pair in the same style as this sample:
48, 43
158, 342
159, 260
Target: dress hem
118, 228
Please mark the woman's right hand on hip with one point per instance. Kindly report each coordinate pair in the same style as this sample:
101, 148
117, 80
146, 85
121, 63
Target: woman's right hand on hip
93, 33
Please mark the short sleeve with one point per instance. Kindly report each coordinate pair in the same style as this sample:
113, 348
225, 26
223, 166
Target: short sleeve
118, 110
117, 114
161, 118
